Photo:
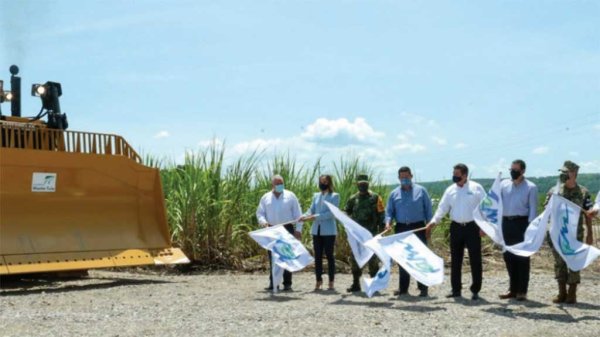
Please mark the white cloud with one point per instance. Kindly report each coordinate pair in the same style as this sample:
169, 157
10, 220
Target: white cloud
162, 134
540, 150
592, 166
460, 145
439, 140
415, 119
341, 131
409, 148
500, 166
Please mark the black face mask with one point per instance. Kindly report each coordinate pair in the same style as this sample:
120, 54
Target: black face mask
514, 174
456, 179
564, 177
363, 188
323, 187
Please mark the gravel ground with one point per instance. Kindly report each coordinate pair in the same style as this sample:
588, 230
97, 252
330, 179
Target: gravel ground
229, 304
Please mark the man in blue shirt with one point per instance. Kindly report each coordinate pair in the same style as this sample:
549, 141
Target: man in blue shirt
519, 208
409, 206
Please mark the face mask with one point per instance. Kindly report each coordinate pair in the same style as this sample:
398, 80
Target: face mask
456, 179
405, 182
363, 188
564, 177
514, 174
279, 188
323, 187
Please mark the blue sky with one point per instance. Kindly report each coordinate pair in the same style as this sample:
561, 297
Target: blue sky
424, 84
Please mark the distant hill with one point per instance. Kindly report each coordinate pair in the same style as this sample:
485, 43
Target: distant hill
589, 180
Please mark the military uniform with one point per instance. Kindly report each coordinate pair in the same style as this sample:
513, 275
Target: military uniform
580, 196
368, 211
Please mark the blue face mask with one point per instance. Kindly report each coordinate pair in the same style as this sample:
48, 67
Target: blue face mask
279, 188
405, 182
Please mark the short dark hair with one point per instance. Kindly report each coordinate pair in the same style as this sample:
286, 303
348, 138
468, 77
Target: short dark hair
404, 169
520, 162
462, 167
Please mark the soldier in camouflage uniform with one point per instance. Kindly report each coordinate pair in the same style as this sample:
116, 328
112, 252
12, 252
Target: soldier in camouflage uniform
366, 208
569, 189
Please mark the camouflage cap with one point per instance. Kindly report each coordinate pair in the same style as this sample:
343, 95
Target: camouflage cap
362, 178
569, 166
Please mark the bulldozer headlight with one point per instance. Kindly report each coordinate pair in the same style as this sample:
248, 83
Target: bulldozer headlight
38, 90
8, 96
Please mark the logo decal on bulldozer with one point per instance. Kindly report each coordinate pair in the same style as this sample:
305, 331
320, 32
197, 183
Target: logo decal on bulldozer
43, 182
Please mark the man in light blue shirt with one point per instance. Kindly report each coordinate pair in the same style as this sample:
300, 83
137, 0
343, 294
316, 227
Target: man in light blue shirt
519, 208
409, 206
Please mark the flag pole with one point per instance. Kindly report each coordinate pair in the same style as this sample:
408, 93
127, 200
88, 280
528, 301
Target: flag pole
413, 231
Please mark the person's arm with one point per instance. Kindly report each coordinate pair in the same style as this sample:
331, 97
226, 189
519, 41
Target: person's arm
349, 206
390, 211
296, 214
533, 199
380, 211
427, 207
261, 213
443, 209
587, 199
309, 214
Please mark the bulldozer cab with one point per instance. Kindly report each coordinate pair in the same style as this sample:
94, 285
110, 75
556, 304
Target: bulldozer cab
72, 200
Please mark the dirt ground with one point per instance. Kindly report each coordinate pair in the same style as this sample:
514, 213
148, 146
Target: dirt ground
108, 303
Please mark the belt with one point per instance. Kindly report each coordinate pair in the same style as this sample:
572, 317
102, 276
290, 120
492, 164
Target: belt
515, 217
410, 223
464, 224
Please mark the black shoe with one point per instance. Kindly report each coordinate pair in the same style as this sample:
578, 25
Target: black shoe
353, 288
475, 297
269, 288
424, 293
400, 292
287, 288
450, 295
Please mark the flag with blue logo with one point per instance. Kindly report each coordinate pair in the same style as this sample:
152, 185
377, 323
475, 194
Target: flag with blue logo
356, 234
381, 280
286, 251
564, 219
488, 215
415, 257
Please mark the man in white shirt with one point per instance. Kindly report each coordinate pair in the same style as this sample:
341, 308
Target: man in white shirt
461, 199
276, 207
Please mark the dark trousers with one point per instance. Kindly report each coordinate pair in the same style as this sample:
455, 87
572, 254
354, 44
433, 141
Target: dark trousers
404, 276
287, 276
513, 230
324, 243
462, 236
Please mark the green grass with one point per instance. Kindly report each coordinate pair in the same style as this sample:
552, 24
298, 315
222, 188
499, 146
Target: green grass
211, 205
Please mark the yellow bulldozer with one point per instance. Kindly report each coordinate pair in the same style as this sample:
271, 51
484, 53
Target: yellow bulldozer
72, 200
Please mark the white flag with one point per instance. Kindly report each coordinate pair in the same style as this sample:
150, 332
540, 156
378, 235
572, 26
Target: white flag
357, 236
488, 215
382, 279
414, 256
564, 219
377, 283
534, 235
286, 251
